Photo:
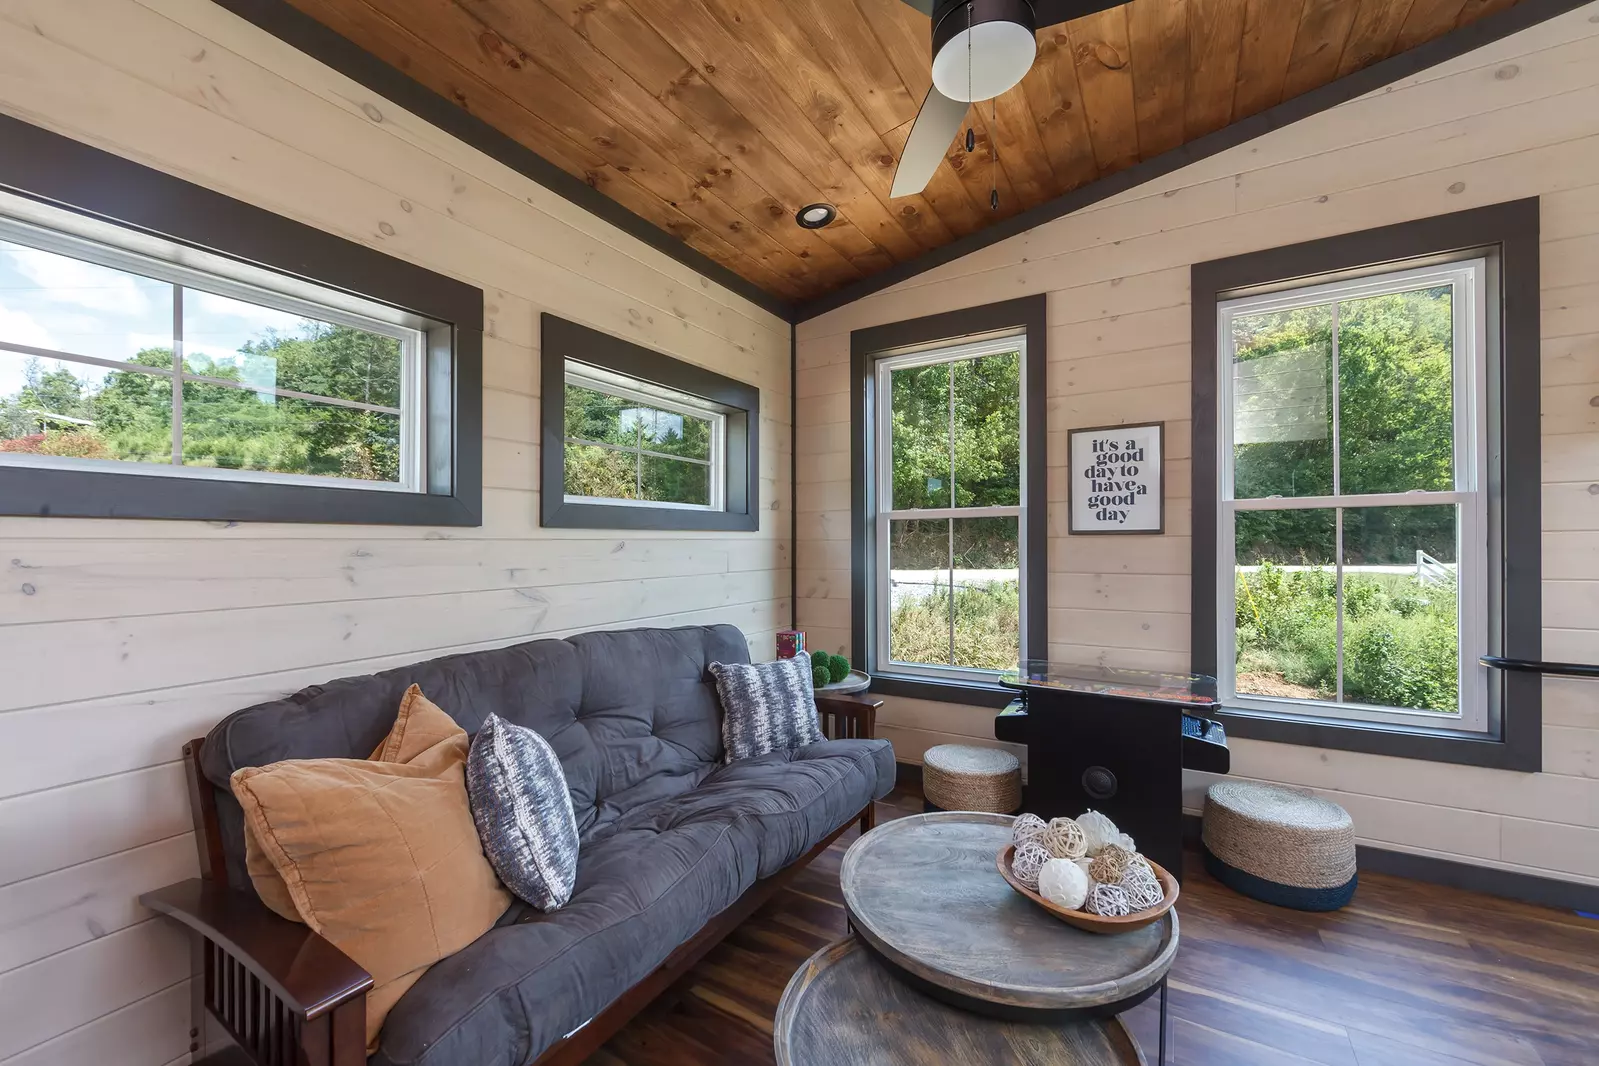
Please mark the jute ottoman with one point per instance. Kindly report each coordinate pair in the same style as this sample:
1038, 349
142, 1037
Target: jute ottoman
964, 777
1279, 845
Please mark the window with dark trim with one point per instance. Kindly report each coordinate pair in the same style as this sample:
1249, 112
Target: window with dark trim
634, 439
170, 352
1366, 488
949, 523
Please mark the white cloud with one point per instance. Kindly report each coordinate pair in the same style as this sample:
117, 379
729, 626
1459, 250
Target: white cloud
72, 281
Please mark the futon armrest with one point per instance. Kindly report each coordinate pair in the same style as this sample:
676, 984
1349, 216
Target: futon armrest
854, 717
302, 969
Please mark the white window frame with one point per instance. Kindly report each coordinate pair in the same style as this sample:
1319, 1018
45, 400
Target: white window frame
1468, 279
622, 387
883, 426
341, 309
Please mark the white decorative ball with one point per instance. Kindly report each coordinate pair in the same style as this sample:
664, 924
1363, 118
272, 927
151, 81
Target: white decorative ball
1142, 886
1098, 831
1027, 827
1064, 839
1027, 860
1063, 883
1123, 841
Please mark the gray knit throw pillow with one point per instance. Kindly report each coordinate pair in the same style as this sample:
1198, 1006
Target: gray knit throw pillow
523, 812
766, 707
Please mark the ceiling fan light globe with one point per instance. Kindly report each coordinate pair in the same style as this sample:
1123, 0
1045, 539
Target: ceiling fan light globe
1001, 53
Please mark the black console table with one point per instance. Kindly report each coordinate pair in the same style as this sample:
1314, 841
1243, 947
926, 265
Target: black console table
1115, 741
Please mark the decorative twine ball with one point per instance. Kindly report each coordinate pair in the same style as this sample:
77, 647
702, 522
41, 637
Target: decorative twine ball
1110, 864
1064, 839
1027, 860
1141, 885
1097, 831
1063, 883
1108, 901
1027, 827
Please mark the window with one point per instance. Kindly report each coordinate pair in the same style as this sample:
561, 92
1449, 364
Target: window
170, 352
628, 443
1352, 517
635, 439
1366, 488
948, 447
269, 387
949, 541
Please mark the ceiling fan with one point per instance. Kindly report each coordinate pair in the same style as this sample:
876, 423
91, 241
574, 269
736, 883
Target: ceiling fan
981, 48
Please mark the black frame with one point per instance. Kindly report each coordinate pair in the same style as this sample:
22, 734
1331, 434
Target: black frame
562, 340
1507, 234
49, 168
1071, 478
1030, 313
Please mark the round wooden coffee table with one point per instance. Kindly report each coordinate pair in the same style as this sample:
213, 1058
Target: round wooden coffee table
846, 1008
923, 893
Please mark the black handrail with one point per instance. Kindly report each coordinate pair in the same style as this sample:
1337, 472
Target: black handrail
1535, 666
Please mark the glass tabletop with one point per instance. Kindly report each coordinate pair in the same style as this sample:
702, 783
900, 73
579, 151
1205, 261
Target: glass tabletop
1193, 689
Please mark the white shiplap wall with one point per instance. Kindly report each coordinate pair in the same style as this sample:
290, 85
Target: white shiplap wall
1517, 118
119, 640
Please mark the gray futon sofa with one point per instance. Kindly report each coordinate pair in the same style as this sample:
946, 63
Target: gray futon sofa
675, 845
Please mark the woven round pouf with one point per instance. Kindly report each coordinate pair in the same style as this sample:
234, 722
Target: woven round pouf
1279, 845
963, 777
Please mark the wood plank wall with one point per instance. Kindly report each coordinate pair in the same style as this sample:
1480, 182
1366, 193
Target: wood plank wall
121, 639
1518, 118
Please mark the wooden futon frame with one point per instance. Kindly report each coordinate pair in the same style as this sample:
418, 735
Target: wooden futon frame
287, 997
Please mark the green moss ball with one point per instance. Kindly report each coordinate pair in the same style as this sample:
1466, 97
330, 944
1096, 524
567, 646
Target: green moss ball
837, 667
819, 659
819, 676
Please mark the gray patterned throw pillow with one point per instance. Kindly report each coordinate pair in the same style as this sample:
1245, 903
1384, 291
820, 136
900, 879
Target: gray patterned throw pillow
523, 812
766, 707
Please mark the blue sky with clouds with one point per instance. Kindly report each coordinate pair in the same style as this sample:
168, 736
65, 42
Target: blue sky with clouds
56, 302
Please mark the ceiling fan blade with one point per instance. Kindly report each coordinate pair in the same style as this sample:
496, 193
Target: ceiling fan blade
936, 125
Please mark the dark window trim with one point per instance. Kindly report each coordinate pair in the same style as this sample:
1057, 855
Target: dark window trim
1030, 313
56, 170
562, 340
1508, 233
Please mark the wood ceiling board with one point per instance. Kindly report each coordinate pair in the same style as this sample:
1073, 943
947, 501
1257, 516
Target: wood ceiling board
1157, 31
1372, 35
399, 47
1319, 44
1215, 38
713, 121
772, 31
1428, 19
1103, 57
540, 51
1268, 42
705, 44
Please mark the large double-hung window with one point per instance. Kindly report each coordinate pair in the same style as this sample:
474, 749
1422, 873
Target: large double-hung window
1351, 562
1367, 539
949, 535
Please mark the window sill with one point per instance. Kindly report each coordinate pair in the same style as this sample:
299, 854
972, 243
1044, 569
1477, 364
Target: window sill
1432, 745
563, 515
972, 693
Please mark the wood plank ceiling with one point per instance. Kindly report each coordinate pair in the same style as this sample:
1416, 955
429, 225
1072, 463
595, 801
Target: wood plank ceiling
716, 119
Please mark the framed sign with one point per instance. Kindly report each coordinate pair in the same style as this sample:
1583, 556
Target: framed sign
1118, 476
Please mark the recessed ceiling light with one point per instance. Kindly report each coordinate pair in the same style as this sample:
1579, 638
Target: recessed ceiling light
815, 216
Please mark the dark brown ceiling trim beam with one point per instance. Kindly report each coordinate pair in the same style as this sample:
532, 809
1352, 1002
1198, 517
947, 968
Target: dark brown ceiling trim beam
1457, 42
299, 30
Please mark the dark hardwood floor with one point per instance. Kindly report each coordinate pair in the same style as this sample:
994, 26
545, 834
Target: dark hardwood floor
1408, 975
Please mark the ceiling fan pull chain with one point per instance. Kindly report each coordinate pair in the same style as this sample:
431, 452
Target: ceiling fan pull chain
993, 157
971, 137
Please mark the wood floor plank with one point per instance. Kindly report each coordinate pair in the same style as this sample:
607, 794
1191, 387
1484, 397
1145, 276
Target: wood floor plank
1408, 975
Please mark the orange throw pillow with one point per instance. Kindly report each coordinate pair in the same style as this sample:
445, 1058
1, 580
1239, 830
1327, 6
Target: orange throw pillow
379, 855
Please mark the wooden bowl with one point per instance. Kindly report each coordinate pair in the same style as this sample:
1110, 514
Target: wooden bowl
1095, 923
